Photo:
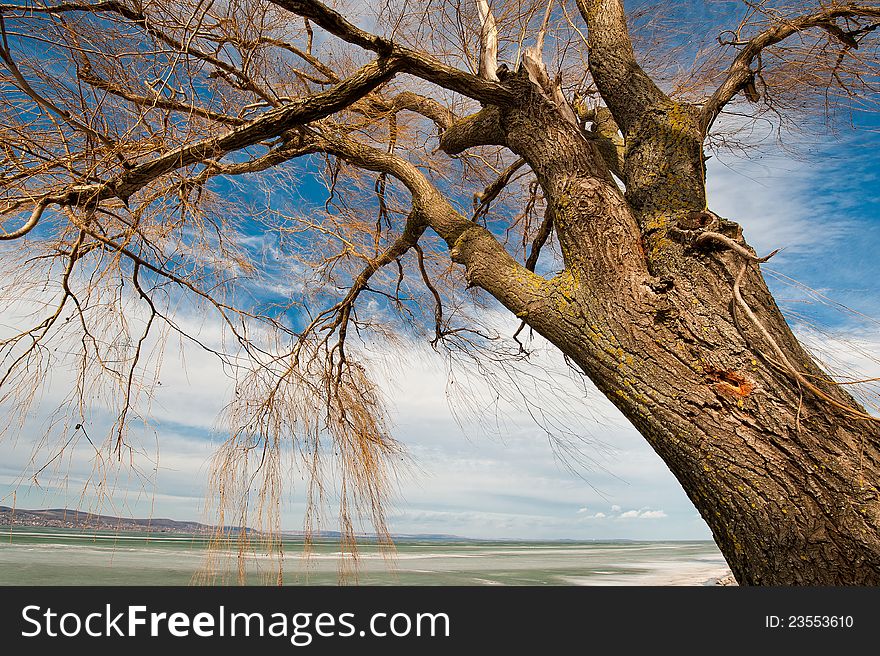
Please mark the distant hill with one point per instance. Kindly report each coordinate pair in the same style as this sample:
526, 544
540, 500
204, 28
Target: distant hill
67, 518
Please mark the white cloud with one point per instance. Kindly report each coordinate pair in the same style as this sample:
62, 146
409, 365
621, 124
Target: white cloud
643, 514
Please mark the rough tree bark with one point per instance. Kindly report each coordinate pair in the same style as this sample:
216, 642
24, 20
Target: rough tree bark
654, 305
785, 479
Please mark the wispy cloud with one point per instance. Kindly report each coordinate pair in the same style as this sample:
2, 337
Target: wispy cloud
643, 514
615, 513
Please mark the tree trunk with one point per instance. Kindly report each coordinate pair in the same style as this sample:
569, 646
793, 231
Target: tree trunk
784, 474
785, 480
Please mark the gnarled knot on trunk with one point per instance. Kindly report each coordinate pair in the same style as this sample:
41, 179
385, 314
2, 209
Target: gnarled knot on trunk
656, 297
730, 383
687, 228
704, 229
704, 220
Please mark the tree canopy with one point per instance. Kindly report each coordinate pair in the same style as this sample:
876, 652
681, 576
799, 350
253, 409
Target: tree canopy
328, 178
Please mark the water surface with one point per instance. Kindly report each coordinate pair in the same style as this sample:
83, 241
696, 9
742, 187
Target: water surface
47, 556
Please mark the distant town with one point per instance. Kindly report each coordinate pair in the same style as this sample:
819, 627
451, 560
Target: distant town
73, 519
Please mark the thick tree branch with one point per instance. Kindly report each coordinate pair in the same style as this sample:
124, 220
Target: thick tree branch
740, 73
437, 112
480, 129
608, 138
416, 63
625, 87
487, 264
287, 150
270, 124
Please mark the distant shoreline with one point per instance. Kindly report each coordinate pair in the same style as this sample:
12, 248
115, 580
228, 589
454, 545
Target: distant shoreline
67, 518
76, 519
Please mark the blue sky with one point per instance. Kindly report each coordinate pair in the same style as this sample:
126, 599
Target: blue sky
822, 207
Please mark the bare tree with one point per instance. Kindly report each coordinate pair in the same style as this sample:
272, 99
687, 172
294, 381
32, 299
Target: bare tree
146, 144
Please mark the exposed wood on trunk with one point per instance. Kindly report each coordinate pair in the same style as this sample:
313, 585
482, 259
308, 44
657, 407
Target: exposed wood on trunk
488, 42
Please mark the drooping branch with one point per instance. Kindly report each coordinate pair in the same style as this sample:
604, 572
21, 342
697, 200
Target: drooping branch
224, 69
740, 76
541, 237
44, 103
335, 319
438, 301
413, 230
484, 199
38, 332
129, 384
27, 227
782, 360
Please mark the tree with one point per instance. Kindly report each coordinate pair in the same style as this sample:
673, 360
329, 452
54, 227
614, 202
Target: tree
128, 123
